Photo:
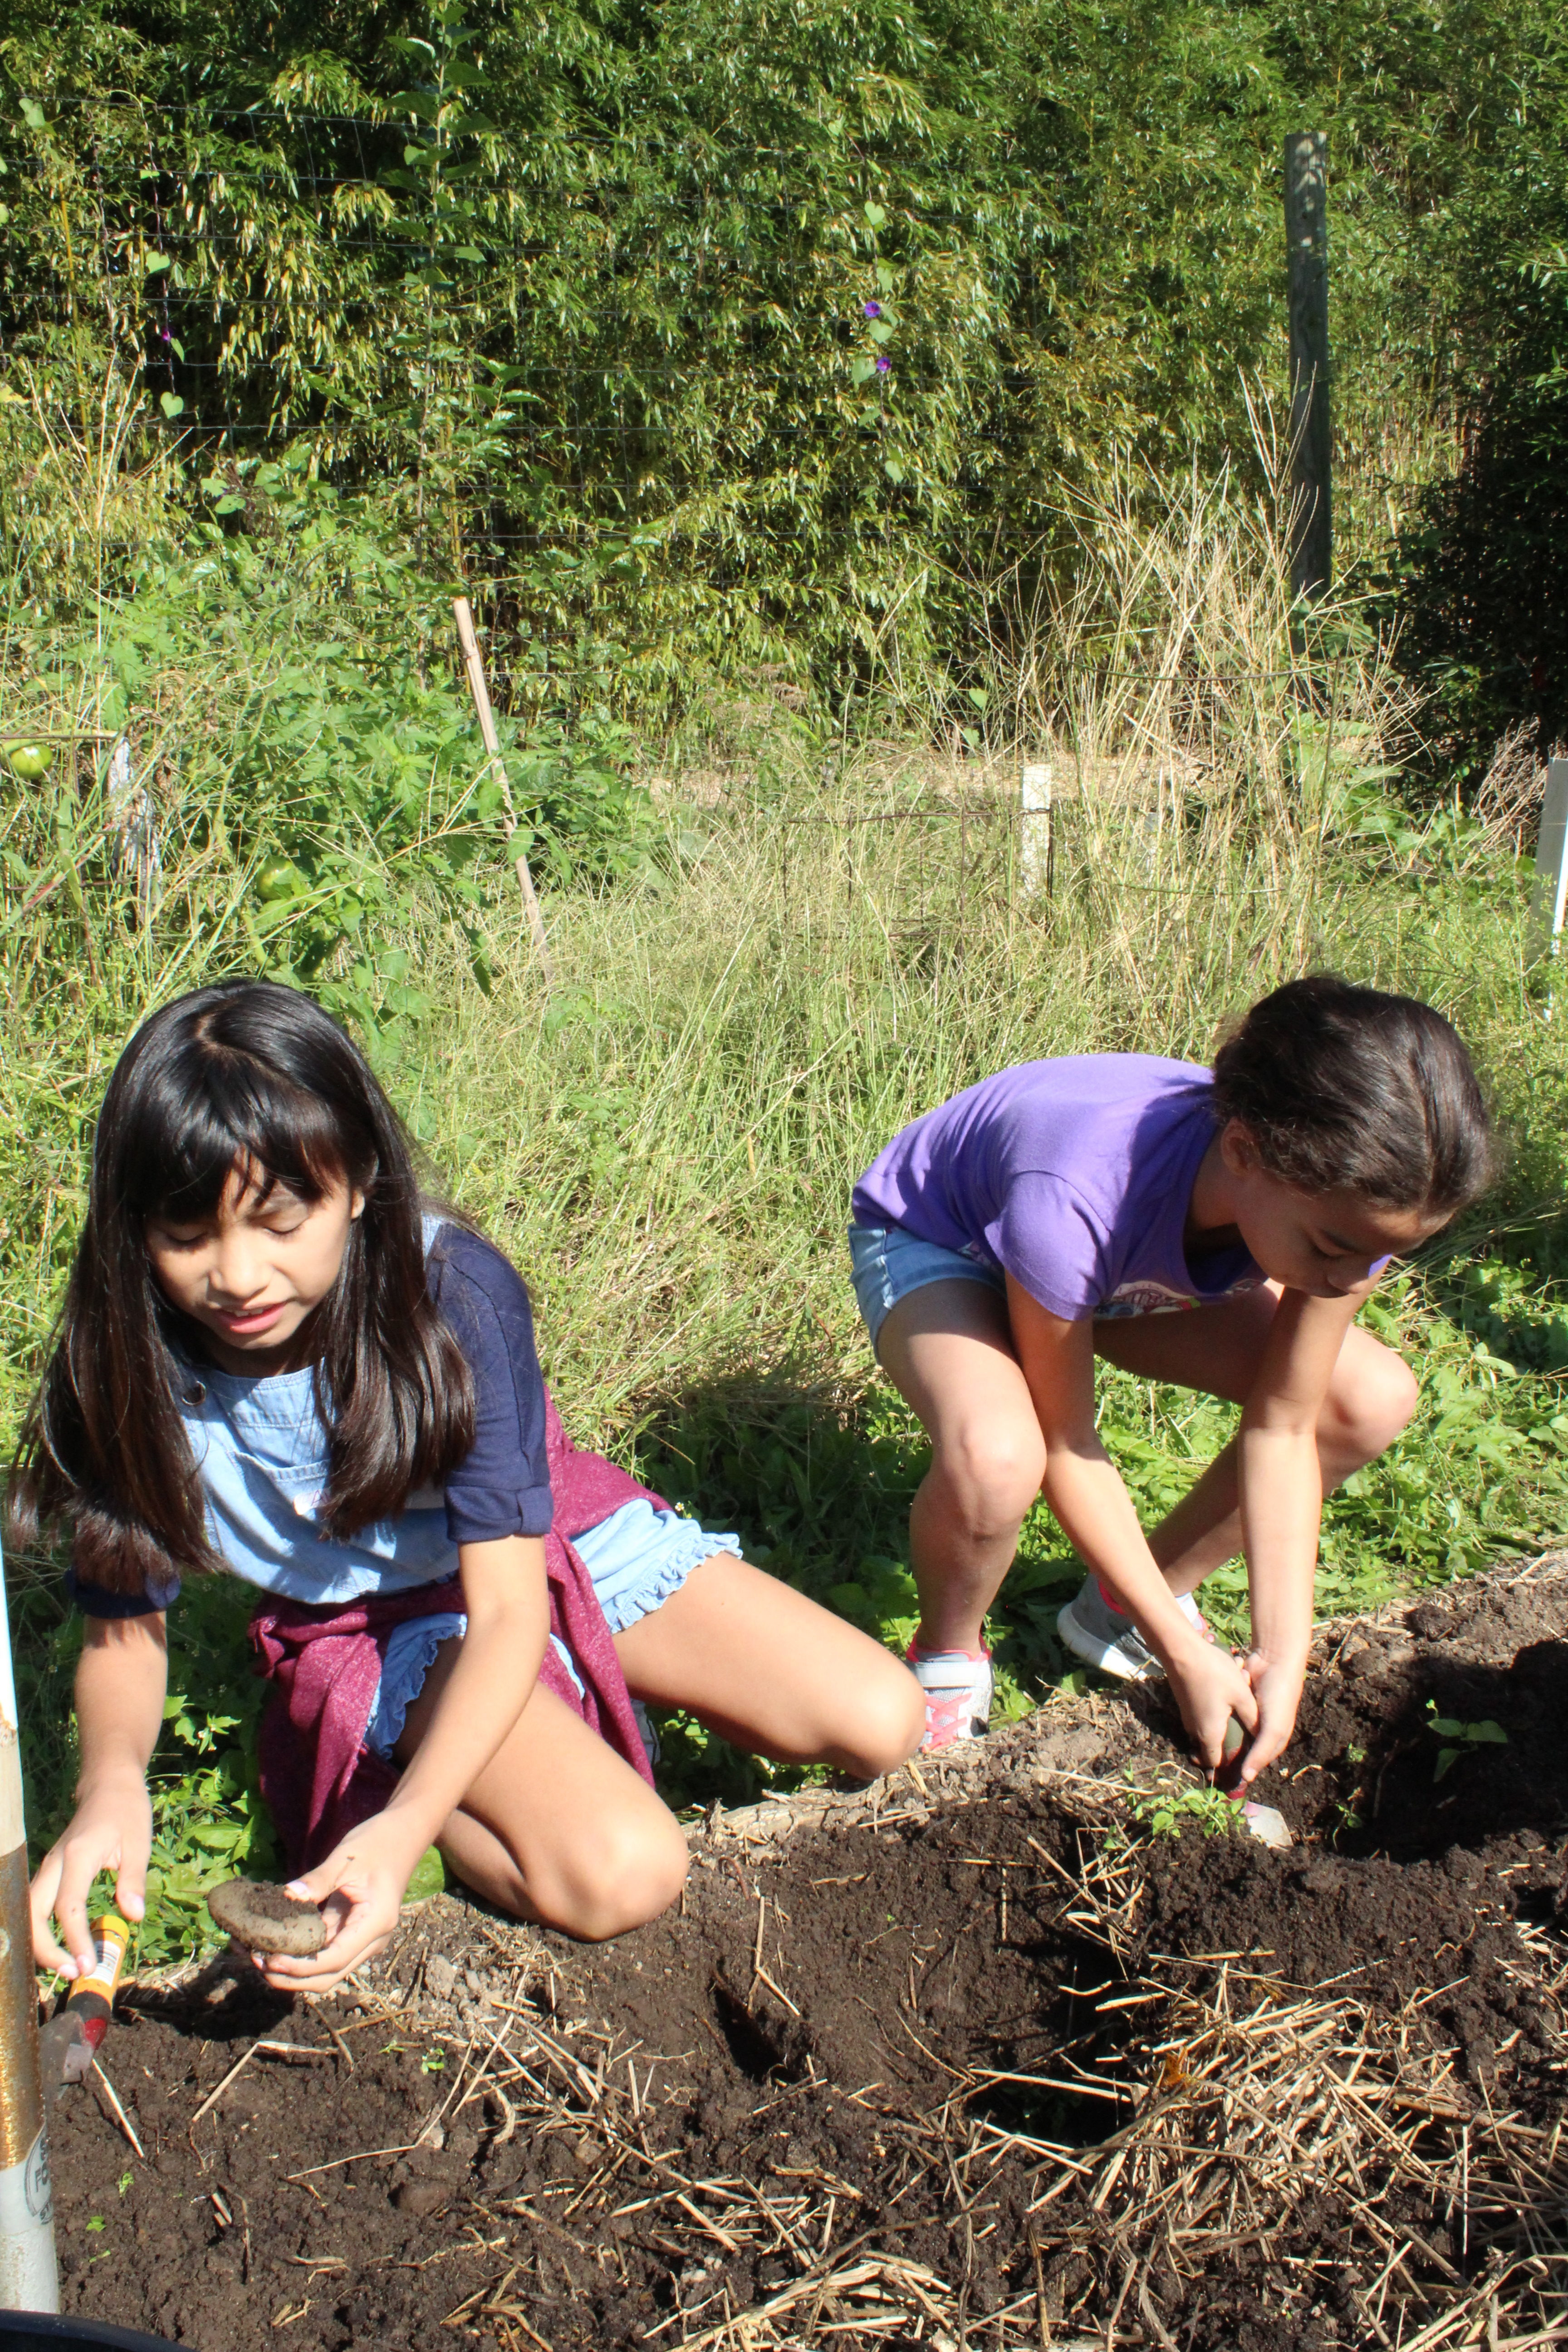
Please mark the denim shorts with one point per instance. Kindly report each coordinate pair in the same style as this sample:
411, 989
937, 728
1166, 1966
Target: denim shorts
886, 1262
636, 1558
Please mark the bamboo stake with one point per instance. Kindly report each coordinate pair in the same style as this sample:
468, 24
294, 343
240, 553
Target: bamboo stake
30, 2279
474, 663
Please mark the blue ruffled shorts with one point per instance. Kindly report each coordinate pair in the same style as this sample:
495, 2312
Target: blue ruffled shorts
636, 1558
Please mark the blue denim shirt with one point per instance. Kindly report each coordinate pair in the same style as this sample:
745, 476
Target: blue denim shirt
261, 1453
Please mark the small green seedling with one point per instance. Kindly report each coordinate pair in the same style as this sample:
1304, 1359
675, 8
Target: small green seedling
1470, 1736
123, 2183
97, 2221
433, 2062
1208, 1810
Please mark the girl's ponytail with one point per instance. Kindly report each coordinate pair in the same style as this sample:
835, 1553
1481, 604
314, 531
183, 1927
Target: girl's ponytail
1346, 1089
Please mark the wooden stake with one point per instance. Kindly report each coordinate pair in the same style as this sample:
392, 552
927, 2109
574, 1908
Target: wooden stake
474, 663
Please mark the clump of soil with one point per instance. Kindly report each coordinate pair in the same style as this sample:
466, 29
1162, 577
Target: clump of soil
267, 1919
965, 2056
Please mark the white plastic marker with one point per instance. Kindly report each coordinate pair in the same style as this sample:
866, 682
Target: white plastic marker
30, 2279
1552, 862
1034, 826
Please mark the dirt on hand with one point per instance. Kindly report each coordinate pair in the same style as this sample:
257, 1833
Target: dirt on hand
970, 2058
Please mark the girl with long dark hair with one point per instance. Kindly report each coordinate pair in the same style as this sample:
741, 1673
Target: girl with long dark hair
1063, 1210
277, 1359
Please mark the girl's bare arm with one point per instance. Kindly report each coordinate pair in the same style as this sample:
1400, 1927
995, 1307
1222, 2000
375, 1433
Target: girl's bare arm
1279, 1483
1085, 1490
506, 1596
119, 1685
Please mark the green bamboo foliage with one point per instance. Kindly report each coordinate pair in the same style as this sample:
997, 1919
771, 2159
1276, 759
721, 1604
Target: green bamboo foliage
706, 339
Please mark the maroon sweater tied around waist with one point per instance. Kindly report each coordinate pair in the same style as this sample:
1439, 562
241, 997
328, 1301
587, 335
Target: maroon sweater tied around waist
317, 1774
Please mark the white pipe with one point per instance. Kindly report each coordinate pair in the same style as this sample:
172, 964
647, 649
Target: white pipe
29, 2278
1551, 899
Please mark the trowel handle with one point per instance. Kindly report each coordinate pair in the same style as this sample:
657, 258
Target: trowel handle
91, 1997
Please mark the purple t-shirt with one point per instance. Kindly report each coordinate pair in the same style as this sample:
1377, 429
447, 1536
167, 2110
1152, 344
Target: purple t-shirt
1073, 1176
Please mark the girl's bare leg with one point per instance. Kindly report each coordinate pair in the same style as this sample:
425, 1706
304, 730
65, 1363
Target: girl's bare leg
947, 1350
1216, 1350
765, 1667
558, 1827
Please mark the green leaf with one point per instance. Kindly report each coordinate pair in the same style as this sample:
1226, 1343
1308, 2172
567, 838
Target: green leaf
156, 263
172, 404
876, 215
429, 1876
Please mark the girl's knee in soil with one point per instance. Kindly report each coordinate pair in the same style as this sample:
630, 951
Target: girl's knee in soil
278, 1360
1220, 1229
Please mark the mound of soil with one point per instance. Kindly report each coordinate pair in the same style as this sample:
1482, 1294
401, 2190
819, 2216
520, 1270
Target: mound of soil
962, 2055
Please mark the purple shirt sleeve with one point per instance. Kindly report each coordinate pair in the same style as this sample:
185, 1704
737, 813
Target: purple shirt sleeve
1050, 1240
502, 1488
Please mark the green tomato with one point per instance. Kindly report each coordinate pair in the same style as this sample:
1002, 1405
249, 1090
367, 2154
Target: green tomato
29, 760
278, 880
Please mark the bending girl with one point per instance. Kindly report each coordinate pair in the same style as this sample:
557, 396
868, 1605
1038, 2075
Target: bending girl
1063, 1210
276, 1360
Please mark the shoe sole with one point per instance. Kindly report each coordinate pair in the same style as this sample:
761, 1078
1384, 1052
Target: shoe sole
1106, 1657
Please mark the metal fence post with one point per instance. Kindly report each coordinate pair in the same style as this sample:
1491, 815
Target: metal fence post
1311, 441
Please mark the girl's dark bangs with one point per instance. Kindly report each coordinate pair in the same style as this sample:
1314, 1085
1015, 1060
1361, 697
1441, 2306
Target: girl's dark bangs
205, 1114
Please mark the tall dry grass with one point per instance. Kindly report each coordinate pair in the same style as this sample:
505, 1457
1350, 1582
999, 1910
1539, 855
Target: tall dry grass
843, 935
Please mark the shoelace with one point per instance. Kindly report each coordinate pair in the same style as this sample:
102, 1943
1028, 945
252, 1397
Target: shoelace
949, 1716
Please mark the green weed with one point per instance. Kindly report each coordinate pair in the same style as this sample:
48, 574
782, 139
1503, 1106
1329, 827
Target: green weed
1206, 1810
1468, 1736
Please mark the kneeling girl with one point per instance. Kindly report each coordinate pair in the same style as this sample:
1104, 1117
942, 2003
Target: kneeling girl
1062, 1211
278, 1359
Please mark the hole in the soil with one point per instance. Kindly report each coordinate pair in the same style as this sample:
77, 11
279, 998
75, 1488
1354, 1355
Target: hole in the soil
760, 2047
1072, 2040
1066, 2117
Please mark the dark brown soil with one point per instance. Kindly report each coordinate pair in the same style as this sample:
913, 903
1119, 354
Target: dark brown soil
715, 2103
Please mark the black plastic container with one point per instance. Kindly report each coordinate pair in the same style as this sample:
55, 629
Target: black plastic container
21, 2330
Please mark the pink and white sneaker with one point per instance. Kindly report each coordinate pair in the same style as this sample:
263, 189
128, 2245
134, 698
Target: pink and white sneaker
957, 1684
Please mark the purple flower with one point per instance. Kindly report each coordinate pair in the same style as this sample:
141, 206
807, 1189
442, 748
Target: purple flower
167, 337
883, 363
872, 309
